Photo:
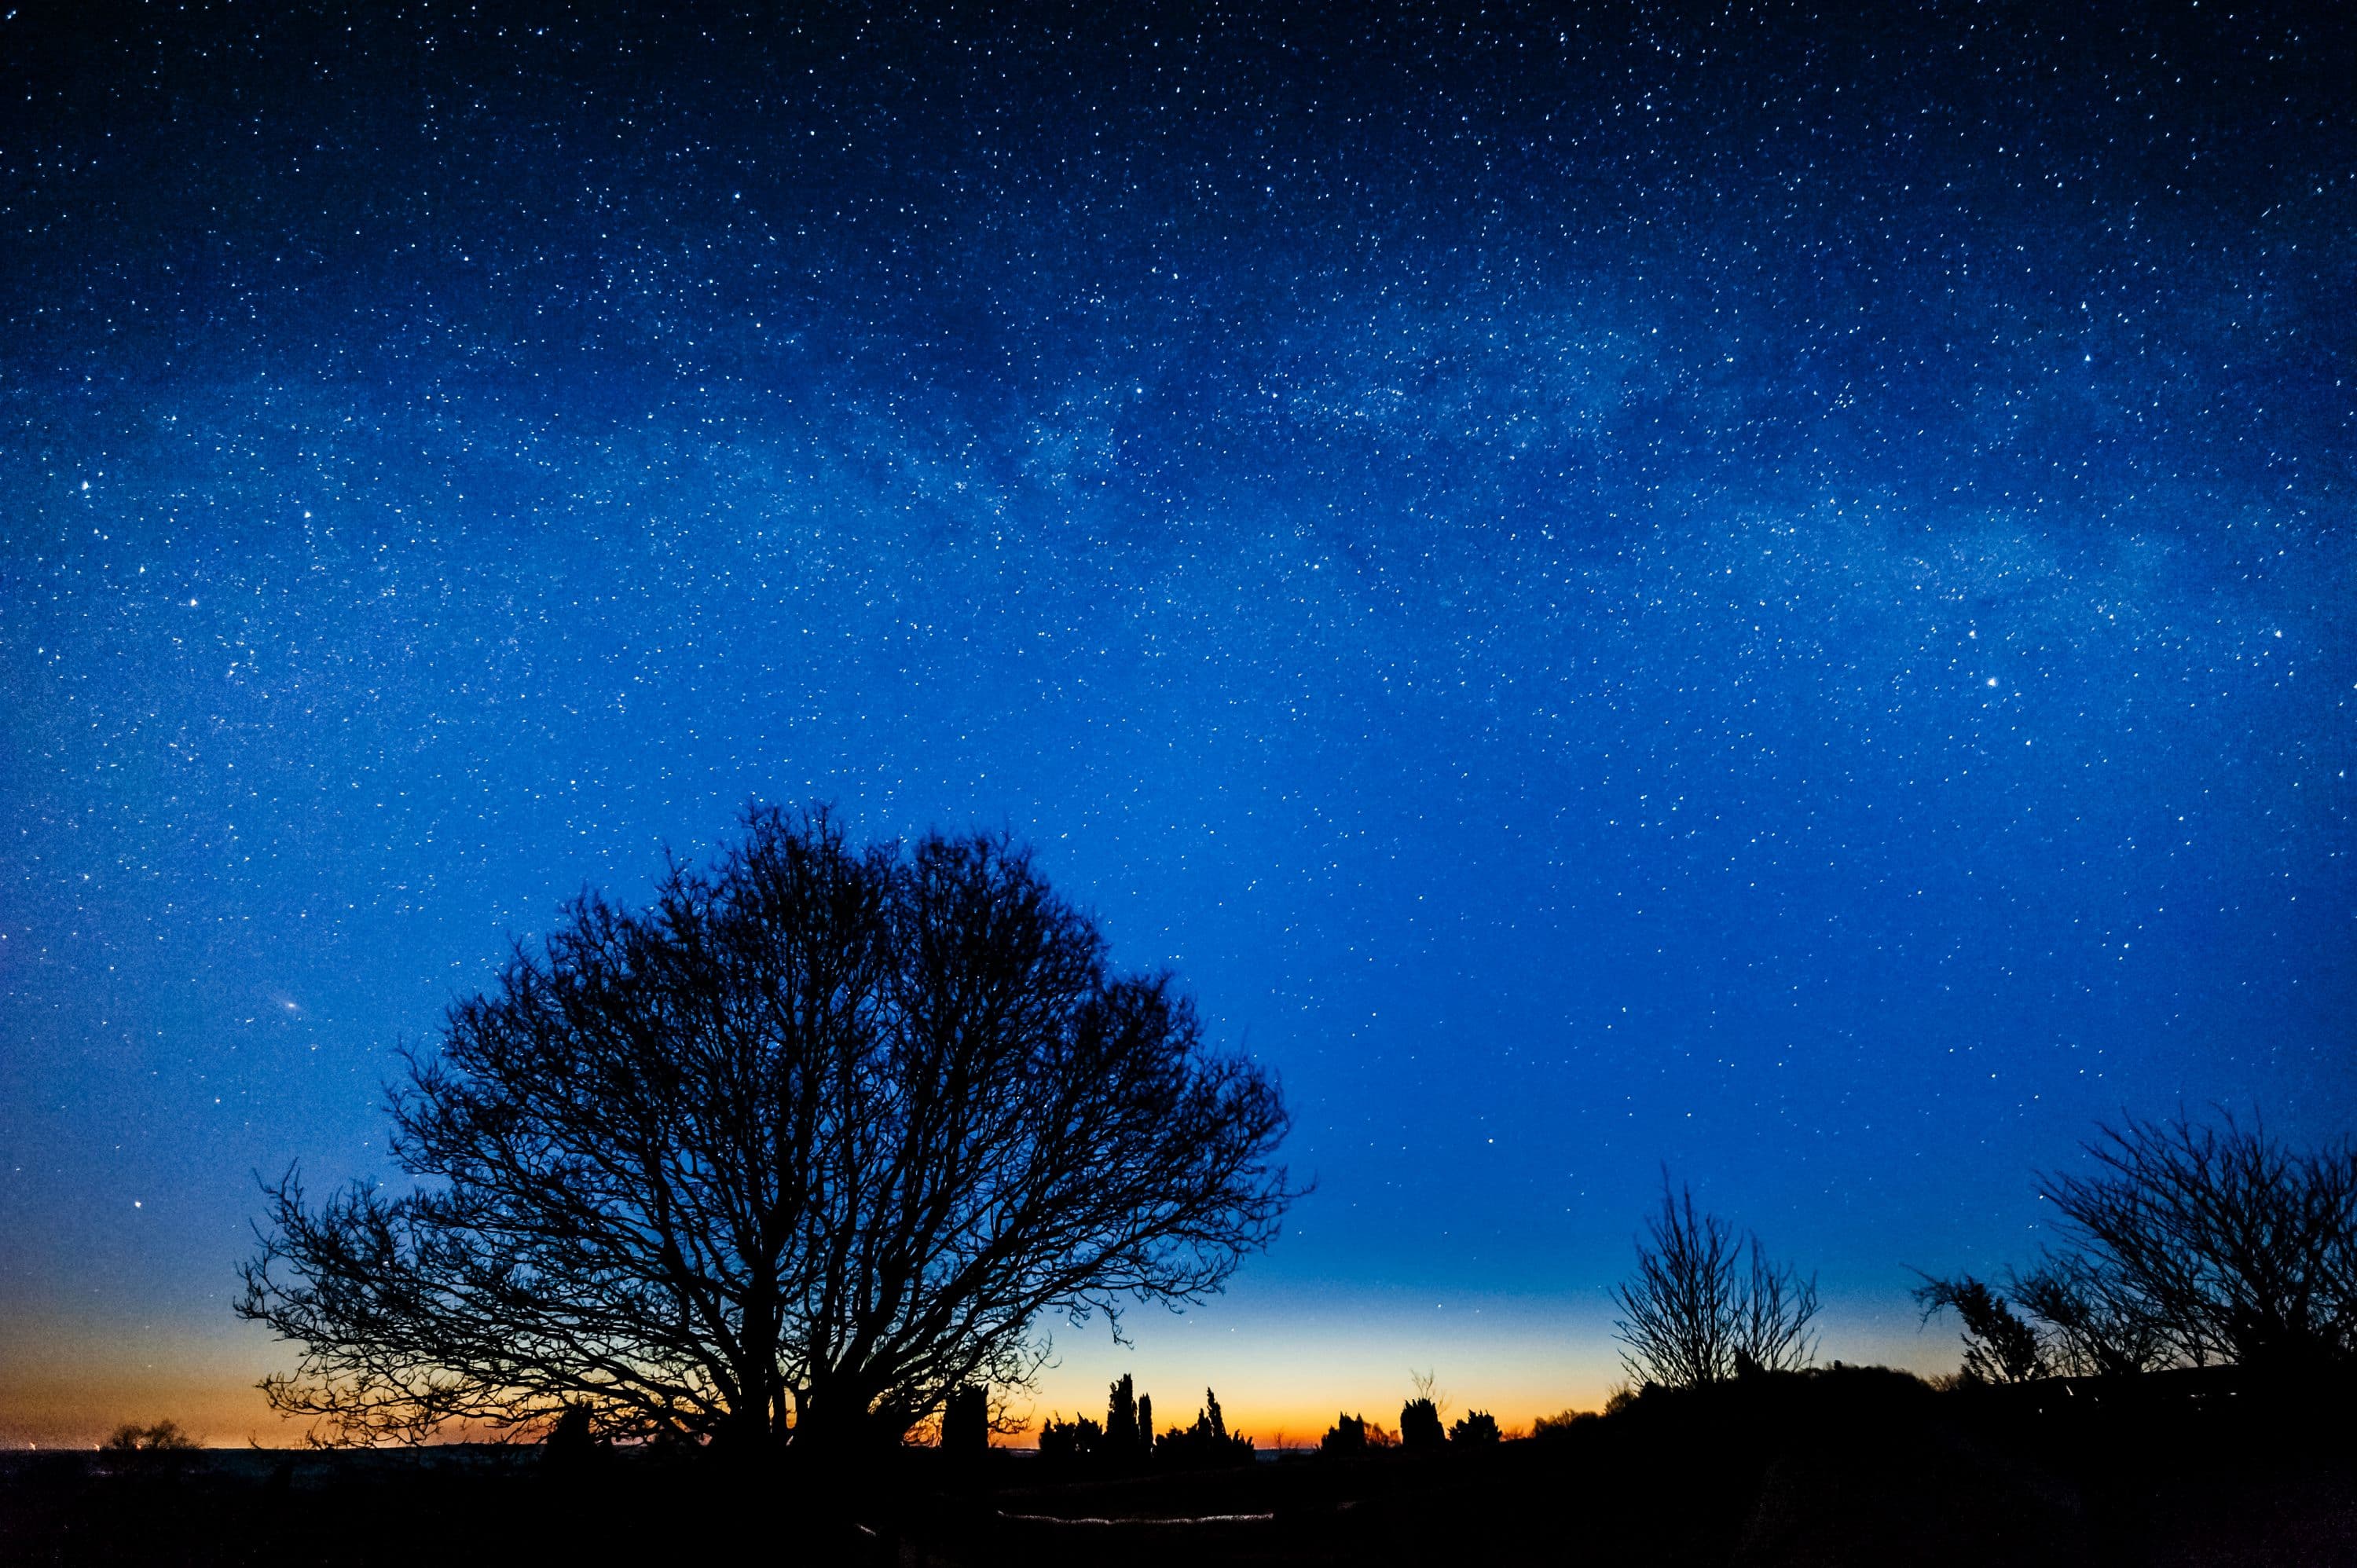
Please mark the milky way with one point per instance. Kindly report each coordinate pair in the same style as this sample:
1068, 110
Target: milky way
1753, 594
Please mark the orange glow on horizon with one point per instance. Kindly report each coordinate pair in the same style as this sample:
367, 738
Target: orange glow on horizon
80, 1414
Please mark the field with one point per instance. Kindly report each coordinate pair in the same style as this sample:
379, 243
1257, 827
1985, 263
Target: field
1848, 1467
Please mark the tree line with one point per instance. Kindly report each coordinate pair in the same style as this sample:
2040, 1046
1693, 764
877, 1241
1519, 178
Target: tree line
1127, 1440
804, 1153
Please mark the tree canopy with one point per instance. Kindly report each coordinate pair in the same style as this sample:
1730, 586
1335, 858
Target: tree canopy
818, 1137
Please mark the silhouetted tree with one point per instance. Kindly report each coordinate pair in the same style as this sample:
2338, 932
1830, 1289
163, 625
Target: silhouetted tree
573, 1451
965, 1422
1419, 1427
2096, 1326
1070, 1439
1206, 1444
1146, 1426
1704, 1294
163, 1437
2000, 1347
1421, 1430
1346, 1438
1475, 1429
1123, 1437
134, 1449
1561, 1425
2226, 1243
792, 1154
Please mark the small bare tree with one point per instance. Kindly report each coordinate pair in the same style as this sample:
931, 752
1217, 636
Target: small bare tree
1706, 1302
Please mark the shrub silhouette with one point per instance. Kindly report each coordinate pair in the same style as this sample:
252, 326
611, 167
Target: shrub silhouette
163, 1437
1419, 1428
1346, 1438
132, 1449
1205, 1444
572, 1440
1560, 1426
1070, 1439
1475, 1429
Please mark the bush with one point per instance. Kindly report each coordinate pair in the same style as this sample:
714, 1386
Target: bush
1070, 1439
163, 1437
132, 1449
1475, 1429
1206, 1444
1560, 1426
1420, 1428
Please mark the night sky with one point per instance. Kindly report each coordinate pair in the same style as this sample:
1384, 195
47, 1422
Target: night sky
1744, 589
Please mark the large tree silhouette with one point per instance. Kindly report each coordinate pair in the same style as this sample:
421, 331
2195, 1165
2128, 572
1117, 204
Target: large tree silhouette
815, 1139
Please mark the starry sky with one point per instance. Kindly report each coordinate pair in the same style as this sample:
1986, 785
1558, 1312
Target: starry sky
1745, 588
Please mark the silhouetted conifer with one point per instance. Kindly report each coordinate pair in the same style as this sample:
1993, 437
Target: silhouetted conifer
1127, 1439
1146, 1426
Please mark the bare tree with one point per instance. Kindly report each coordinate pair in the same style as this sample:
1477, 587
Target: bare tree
2220, 1241
2096, 1326
1706, 1301
814, 1140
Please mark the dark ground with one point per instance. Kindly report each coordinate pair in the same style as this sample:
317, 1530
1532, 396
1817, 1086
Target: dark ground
1848, 1467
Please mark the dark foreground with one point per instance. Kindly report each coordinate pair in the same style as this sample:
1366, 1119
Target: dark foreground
1848, 1467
